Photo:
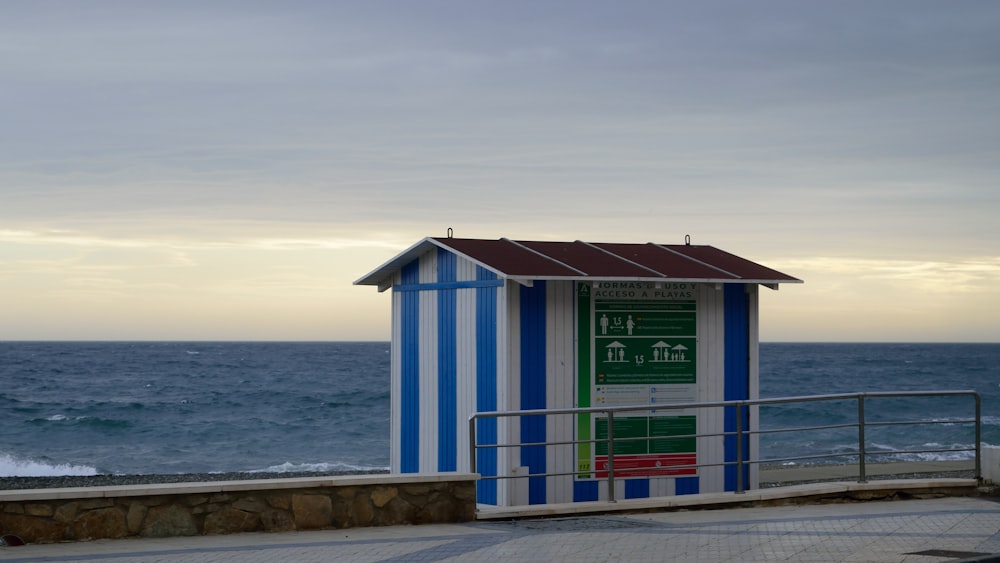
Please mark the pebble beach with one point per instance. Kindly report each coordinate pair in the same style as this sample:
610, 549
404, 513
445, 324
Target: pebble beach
68, 481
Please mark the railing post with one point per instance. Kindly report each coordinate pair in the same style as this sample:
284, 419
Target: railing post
739, 449
611, 456
472, 444
979, 437
862, 477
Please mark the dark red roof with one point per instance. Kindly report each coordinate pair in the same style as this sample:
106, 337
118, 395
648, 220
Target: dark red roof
581, 260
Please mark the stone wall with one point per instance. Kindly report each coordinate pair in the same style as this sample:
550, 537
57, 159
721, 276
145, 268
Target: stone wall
267, 505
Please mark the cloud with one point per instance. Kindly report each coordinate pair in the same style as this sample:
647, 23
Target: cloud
866, 299
198, 145
960, 275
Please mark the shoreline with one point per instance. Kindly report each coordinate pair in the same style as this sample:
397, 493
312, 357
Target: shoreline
770, 475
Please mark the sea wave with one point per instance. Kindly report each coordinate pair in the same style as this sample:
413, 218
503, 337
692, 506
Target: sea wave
957, 452
289, 467
927, 456
11, 466
94, 421
875, 452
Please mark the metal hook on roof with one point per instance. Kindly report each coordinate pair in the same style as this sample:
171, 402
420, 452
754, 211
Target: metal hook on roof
687, 240
451, 232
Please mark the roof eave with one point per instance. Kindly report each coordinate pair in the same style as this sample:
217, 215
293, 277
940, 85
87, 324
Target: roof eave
382, 277
376, 276
766, 282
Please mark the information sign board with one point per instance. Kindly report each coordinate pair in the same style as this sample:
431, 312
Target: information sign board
637, 346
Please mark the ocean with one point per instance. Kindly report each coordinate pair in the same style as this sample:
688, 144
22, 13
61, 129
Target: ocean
85, 408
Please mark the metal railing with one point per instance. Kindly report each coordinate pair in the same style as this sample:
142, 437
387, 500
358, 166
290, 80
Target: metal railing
740, 434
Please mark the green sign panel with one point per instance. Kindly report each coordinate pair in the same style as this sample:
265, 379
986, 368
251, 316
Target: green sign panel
632, 435
637, 346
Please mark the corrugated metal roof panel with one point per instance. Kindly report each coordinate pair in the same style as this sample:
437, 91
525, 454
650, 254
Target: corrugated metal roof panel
580, 260
589, 260
742, 267
669, 264
506, 257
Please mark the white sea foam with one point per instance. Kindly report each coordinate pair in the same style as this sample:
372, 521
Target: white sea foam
289, 467
954, 421
944, 456
887, 451
14, 467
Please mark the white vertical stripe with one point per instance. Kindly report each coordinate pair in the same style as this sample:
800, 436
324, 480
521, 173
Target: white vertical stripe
602, 489
508, 384
661, 487
560, 371
711, 384
428, 344
465, 364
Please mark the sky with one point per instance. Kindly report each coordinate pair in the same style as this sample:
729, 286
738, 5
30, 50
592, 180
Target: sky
189, 170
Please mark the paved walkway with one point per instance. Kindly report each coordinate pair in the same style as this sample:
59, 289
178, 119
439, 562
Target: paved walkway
943, 529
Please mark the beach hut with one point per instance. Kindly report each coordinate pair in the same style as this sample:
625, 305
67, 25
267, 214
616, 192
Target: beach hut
504, 325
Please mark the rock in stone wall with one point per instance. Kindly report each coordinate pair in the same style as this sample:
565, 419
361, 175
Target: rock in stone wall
278, 510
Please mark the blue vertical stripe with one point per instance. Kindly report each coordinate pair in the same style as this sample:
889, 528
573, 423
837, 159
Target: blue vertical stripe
486, 385
447, 364
737, 374
409, 418
637, 488
686, 486
584, 491
533, 386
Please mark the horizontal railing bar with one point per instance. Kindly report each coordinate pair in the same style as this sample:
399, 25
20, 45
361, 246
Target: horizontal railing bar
617, 471
604, 441
686, 436
596, 441
801, 457
855, 424
658, 469
665, 469
623, 472
717, 404
805, 428
593, 441
896, 452
916, 422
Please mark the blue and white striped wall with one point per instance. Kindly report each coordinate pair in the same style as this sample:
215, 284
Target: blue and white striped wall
444, 350
465, 341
